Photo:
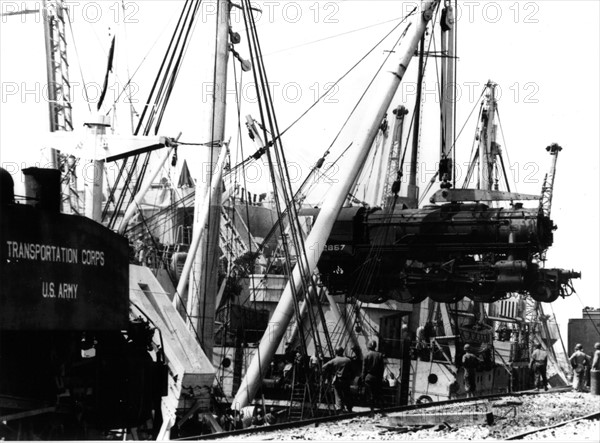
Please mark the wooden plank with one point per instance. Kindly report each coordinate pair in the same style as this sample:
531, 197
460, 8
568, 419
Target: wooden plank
192, 371
14, 402
191, 411
25, 414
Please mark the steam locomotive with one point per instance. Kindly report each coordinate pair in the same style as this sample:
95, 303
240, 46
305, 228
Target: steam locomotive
444, 252
73, 363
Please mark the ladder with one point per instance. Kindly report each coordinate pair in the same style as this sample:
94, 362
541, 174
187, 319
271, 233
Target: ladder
298, 396
230, 241
305, 394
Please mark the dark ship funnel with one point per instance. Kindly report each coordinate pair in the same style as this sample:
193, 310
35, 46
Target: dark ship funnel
42, 188
7, 188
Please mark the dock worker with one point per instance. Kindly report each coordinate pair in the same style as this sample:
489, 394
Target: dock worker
271, 417
596, 359
372, 374
579, 361
405, 333
258, 419
421, 345
539, 363
470, 363
341, 379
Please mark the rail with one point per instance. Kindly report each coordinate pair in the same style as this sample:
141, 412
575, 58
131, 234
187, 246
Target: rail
333, 418
594, 416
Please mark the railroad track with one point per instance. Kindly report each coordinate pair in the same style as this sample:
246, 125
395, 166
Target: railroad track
594, 416
339, 417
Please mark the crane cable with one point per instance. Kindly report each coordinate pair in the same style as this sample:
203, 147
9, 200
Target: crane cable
327, 90
335, 84
367, 270
283, 173
326, 153
321, 160
190, 8
505, 149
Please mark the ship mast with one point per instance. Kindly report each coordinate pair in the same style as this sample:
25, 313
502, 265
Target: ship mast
202, 286
448, 41
331, 207
413, 188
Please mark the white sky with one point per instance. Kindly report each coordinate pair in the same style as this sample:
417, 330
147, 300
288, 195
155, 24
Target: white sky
543, 54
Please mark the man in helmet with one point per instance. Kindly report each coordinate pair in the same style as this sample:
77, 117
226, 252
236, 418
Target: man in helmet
579, 361
341, 379
372, 374
470, 363
538, 364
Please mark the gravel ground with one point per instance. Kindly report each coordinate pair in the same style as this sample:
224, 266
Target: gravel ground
583, 430
535, 411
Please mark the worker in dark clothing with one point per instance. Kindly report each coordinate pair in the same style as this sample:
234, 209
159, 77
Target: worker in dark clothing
271, 417
595, 368
341, 379
579, 361
258, 419
539, 363
470, 363
596, 358
372, 374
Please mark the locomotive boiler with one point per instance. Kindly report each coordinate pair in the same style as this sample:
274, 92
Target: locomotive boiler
444, 252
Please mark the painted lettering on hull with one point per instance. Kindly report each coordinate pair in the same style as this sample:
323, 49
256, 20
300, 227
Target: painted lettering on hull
67, 291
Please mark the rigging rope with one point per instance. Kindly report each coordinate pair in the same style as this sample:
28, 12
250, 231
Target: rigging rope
333, 36
505, 149
87, 98
320, 162
347, 73
420, 105
474, 155
187, 14
285, 182
132, 76
366, 271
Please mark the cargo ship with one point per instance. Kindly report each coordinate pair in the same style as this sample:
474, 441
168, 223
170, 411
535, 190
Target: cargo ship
172, 305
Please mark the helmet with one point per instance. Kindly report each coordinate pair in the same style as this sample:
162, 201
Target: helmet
467, 347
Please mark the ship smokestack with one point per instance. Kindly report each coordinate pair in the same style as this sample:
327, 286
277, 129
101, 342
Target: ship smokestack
42, 188
7, 188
